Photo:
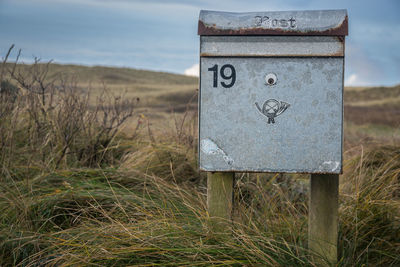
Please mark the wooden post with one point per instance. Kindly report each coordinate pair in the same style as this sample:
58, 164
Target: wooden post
220, 199
323, 217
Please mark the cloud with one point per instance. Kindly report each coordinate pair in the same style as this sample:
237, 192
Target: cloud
193, 70
158, 7
354, 80
363, 68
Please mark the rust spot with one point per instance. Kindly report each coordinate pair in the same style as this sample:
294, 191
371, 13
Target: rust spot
340, 30
340, 38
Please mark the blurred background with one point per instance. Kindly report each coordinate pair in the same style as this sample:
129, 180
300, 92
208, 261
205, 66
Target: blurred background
162, 35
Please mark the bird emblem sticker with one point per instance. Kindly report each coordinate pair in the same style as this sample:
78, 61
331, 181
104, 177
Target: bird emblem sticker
272, 108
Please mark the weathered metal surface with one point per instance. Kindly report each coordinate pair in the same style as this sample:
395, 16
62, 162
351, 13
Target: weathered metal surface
316, 22
291, 124
266, 46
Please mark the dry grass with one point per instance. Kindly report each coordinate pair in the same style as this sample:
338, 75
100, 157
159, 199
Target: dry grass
157, 215
140, 199
352, 96
378, 115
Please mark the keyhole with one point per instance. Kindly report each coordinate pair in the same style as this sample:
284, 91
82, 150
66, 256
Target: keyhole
270, 79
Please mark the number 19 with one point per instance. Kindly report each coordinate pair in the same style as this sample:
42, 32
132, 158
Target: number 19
231, 76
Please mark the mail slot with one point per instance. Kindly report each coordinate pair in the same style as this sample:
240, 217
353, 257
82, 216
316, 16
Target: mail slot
271, 91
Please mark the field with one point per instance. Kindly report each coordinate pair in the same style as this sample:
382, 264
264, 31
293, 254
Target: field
100, 169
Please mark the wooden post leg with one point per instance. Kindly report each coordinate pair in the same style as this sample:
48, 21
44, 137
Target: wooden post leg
323, 217
219, 199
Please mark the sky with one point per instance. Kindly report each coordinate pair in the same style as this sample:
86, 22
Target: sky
162, 35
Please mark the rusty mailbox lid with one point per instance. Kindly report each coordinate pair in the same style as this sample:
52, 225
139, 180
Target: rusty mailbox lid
310, 22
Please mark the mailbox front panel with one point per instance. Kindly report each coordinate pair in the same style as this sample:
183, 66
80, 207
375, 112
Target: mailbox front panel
271, 114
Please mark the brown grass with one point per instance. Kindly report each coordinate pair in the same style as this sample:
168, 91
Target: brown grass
137, 197
379, 115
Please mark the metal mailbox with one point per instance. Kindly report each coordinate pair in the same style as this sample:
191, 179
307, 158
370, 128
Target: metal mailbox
271, 91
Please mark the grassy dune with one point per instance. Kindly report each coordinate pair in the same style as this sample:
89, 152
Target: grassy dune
78, 194
158, 92
372, 115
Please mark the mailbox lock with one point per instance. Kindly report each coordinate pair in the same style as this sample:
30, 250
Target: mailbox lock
270, 79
